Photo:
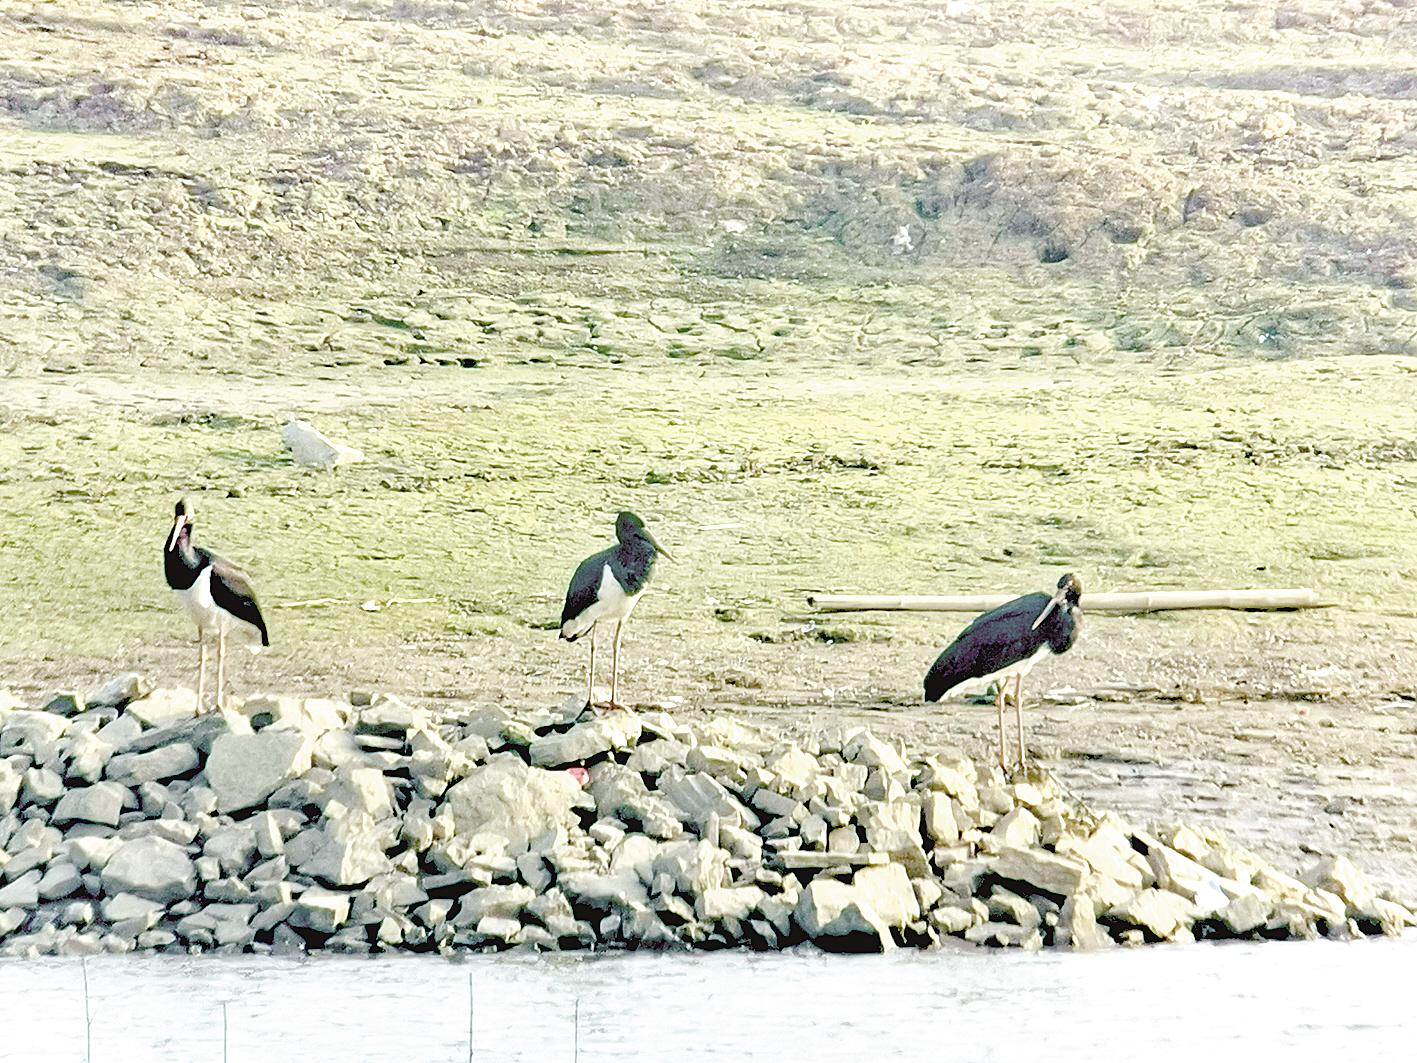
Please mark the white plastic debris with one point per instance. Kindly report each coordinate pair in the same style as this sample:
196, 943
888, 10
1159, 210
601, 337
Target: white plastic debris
309, 446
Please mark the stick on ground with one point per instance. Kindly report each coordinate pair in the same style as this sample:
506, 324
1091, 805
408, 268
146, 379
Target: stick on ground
1106, 602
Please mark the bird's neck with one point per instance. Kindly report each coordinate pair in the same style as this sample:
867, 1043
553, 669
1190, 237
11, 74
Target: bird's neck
182, 563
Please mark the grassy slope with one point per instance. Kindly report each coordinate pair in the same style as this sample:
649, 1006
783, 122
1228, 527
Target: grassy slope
661, 240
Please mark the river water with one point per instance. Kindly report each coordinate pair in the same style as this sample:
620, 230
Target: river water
1296, 1001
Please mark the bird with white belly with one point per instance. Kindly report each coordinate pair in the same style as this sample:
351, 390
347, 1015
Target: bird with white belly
1003, 645
217, 596
605, 589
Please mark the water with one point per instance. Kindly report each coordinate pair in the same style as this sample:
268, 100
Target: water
1308, 1000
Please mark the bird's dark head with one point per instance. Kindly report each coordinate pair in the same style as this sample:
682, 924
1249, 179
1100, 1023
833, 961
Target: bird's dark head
629, 529
1067, 595
181, 522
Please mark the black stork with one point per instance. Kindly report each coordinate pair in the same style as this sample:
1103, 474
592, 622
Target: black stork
1005, 643
606, 587
216, 594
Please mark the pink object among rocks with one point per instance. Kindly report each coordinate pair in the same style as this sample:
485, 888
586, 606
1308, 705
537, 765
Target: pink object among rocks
579, 774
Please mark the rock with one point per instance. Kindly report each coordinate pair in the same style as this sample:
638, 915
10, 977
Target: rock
728, 902
1005, 935
101, 803
619, 730
1108, 852
23, 892
86, 755
831, 914
620, 792
517, 802
32, 846
1338, 876
166, 762
118, 691
41, 786
1013, 908
163, 707
657, 757
893, 827
1162, 914
866, 749
91, 853
363, 790
130, 908
694, 866
321, 910
392, 717
61, 879
66, 703
152, 868
696, 796
10, 781
553, 911
244, 770
121, 733
234, 848
34, 733
270, 838
309, 446
949, 919
1246, 913
940, 822
1018, 829
505, 902
888, 892
1046, 872
350, 851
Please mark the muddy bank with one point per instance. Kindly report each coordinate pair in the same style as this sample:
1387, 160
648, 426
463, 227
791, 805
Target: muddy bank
132, 822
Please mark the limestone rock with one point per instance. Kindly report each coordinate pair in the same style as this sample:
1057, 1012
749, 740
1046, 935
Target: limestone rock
831, 913
118, 691
517, 802
22, 892
320, 910
1018, 829
1060, 876
35, 733
888, 892
619, 730
151, 867
10, 781
165, 762
1162, 914
164, 706
244, 770
506, 902
350, 851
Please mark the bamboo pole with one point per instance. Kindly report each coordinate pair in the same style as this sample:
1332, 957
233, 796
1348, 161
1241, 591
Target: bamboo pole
1104, 602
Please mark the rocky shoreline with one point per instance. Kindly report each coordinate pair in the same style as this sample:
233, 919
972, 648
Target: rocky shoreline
129, 822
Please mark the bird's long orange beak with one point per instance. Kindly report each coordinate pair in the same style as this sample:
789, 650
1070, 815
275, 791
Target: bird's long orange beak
655, 543
177, 526
1053, 603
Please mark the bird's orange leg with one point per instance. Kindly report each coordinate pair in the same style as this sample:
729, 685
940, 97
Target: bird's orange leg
999, 705
201, 669
1018, 719
220, 667
590, 677
615, 664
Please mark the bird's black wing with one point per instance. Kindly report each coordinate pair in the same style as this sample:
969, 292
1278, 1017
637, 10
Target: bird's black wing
233, 592
995, 640
584, 589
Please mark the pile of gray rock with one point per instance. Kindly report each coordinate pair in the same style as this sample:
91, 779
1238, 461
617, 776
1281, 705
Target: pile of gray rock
129, 821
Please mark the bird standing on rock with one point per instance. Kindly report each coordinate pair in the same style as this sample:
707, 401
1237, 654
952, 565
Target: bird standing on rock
216, 594
1005, 643
606, 586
